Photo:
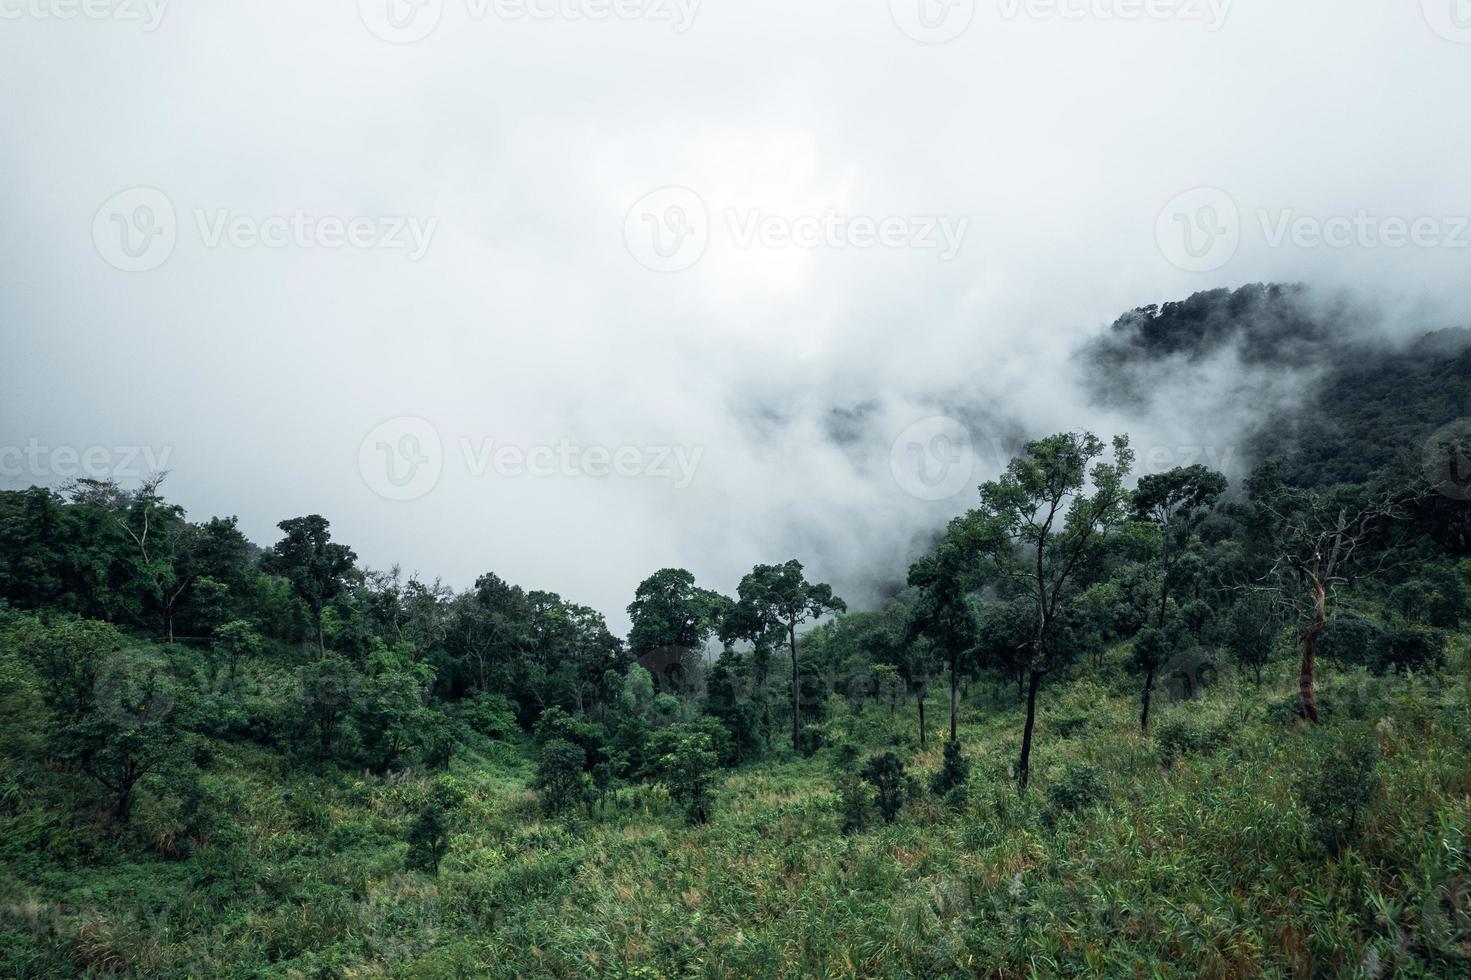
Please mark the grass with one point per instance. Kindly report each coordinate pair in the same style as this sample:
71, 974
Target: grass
1201, 865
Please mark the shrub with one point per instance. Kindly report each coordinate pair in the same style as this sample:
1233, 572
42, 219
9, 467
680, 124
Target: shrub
687, 766
491, 715
855, 802
561, 777
428, 838
1339, 789
954, 770
1080, 787
1179, 736
885, 773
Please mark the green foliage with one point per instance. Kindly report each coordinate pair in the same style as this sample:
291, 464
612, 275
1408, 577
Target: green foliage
885, 773
953, 772
1338, 786
429, 838
1079, 787
562, 777
687, 765
856, 800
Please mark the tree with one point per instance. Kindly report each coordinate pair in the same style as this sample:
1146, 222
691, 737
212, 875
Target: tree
429, 838
1175, 502
128, 732
488, 629
669, 610
885, 773
1318, 542
775, 600
920, 662
68, 657
1039, 527
562, 776
886, 677
686, 764
944, 581
324, 695
315, 566
1151, 650
238, 641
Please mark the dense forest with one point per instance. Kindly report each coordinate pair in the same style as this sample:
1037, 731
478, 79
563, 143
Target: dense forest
1118, 722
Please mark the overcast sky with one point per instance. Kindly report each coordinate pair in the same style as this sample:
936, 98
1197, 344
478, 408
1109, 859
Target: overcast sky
429, 271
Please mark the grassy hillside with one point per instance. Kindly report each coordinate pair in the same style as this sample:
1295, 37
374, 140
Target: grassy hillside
1191, 853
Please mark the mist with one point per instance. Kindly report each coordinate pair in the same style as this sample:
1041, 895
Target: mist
572, 298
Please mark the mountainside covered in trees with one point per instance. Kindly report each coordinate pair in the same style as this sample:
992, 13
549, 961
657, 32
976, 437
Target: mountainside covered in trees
1118, 723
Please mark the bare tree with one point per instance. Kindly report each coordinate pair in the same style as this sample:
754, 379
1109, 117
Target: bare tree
1318, 544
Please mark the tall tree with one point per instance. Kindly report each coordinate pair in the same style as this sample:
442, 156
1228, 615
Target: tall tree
1045, 520
774, 600
1318, 542
669, 610
313, 563
945, 581
1175, 502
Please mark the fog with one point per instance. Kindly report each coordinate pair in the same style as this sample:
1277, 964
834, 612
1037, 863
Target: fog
573, 292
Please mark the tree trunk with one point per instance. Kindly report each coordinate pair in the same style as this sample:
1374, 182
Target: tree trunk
954, 698
1309, 661
1148, 689
321, 636
168, 626
919, 699
796, 692
1022, 767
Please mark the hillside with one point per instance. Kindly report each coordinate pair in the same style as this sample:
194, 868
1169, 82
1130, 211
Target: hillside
1117, 724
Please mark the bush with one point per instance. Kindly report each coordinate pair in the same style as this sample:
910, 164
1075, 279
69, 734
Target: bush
491, 715
885, 773
561, 776
429, 838
954, 771
855, 802
1178, 736
1338, 789
1080, 787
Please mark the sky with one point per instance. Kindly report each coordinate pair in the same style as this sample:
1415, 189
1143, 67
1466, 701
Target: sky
574, 290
